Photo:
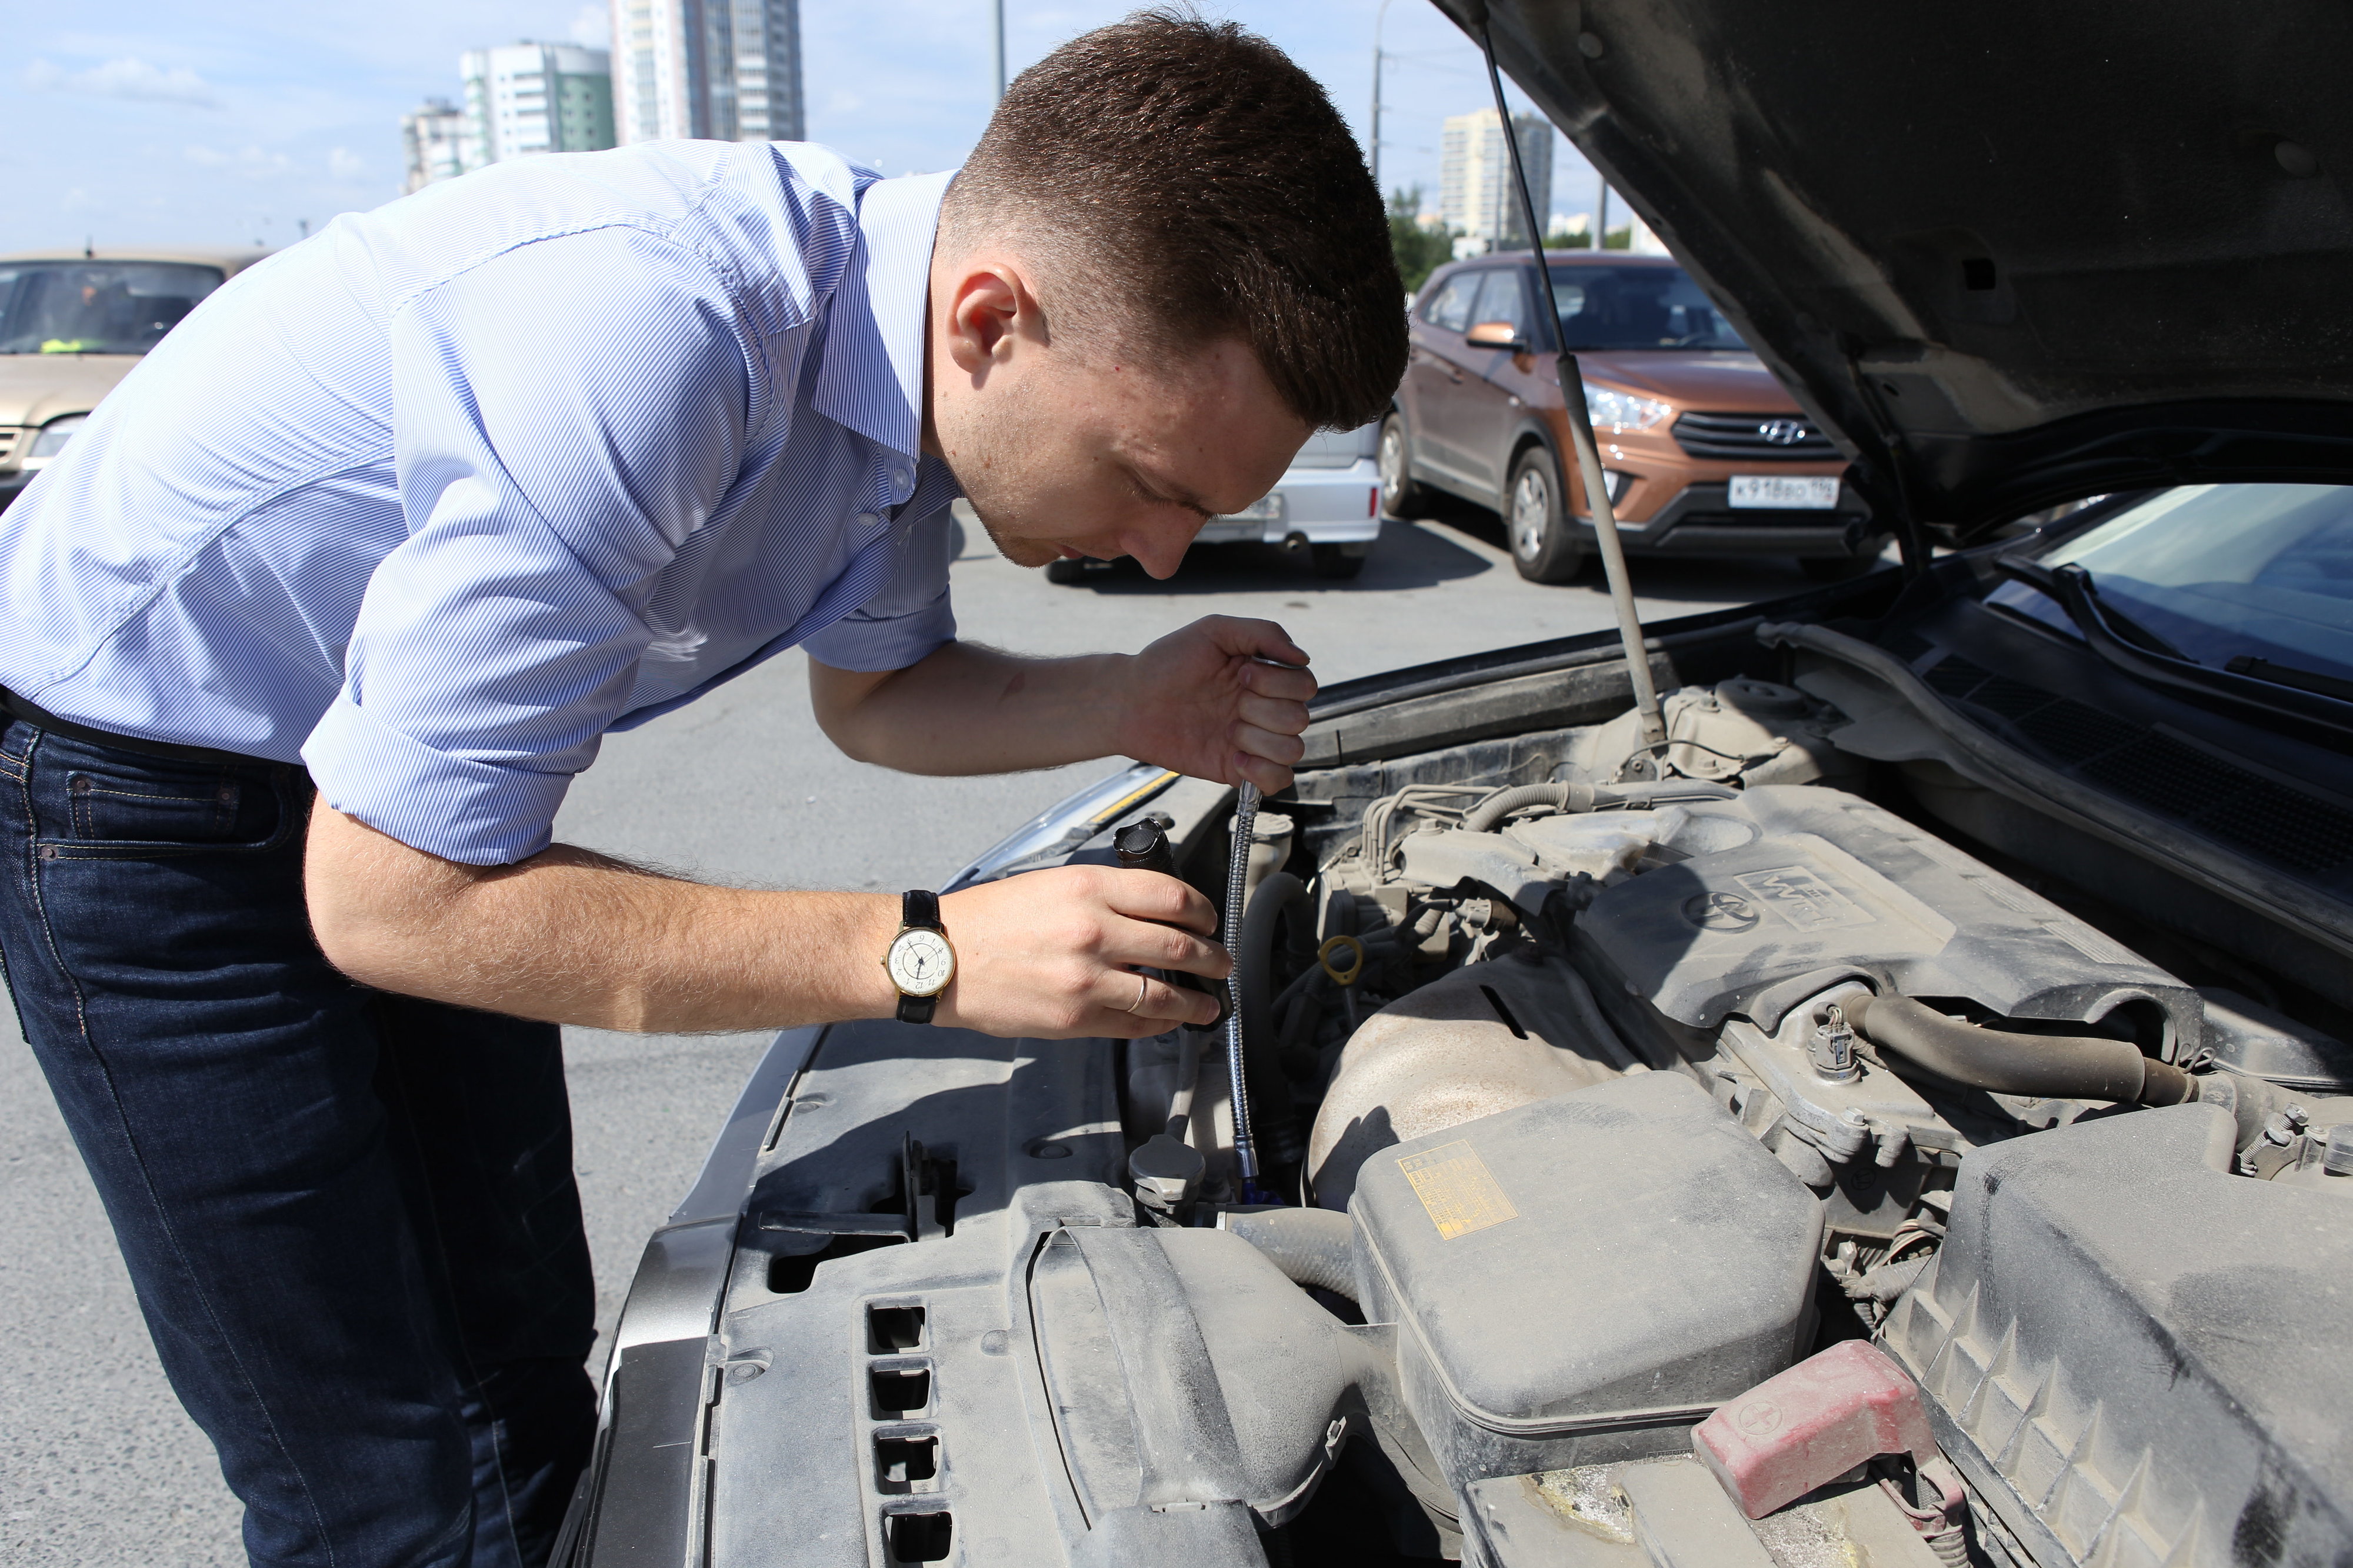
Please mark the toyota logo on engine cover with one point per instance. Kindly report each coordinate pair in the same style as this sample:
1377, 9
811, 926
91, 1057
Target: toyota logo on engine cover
1783, 432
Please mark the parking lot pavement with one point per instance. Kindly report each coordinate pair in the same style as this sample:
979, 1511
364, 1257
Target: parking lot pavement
98, 1467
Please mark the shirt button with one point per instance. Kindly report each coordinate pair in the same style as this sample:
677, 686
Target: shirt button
868, 519
902, 482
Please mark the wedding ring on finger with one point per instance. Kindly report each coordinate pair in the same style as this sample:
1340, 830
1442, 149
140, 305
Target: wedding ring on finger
1142, 985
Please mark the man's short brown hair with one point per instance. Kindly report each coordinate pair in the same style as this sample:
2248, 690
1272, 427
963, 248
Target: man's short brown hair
1190, 177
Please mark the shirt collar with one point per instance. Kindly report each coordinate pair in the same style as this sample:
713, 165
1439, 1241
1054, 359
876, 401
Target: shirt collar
877, 317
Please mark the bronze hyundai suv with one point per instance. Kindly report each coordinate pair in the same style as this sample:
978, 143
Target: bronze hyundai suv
1704, 452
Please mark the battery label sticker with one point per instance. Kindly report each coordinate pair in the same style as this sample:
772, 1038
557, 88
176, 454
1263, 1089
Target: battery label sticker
1455, 1186
1804, 900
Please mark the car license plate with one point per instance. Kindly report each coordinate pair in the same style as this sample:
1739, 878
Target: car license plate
1785, 492
1246, 524
1229, 530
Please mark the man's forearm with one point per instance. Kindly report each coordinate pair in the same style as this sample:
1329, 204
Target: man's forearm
967, 709
571, 937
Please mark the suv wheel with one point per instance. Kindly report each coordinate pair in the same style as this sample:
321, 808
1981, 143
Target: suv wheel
1401, 496
1544, 545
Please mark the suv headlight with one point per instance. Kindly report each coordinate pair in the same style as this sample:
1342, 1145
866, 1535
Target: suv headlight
1623, 410
55, 434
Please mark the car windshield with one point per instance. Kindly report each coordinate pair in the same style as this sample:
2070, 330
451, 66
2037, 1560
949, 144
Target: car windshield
96, 307
1637, 308
2222, 572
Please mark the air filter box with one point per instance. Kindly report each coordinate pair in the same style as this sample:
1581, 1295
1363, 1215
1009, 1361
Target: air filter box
1579, 1280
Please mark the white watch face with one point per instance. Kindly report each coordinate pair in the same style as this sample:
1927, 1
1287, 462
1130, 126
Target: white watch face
921, 963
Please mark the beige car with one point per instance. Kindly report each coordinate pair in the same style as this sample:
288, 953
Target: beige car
73, 325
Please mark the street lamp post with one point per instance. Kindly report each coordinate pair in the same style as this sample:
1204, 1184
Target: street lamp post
1379, 17
1001, 50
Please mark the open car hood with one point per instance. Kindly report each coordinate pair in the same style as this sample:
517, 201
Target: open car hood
2011, 254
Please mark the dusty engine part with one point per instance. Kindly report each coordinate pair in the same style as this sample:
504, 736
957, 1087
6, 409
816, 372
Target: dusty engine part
1485, 1038
1836, 886
2107, 1401
2246, 1036
1466, 1236
1751, 731
1527, 860
2072, 1066
1312, 1246
1183, 1365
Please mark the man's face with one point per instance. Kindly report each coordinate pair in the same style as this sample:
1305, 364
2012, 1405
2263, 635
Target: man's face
1066, 448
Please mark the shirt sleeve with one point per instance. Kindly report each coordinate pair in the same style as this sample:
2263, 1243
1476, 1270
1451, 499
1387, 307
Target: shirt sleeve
565, 416
909, 617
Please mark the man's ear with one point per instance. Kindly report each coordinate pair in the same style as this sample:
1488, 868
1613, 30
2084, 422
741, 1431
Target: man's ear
989, 305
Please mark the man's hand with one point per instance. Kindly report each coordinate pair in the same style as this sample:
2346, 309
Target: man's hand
1201, 701
1054, 955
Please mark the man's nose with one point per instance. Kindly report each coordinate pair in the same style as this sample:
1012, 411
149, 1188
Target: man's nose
1159, 548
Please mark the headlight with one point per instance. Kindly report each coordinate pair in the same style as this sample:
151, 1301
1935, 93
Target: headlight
55, 435
1622, 410
1058, 831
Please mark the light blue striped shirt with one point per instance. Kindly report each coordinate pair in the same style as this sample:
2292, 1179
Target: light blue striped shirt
432, 501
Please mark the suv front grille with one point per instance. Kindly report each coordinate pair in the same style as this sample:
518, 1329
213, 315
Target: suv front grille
1774, 438
8, 434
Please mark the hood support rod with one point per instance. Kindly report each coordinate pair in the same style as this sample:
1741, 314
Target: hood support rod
1645, 764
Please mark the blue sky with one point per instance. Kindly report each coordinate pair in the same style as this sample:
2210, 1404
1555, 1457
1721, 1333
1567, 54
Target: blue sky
233, 120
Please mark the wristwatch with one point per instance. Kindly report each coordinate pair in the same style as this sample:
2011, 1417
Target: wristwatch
919, 963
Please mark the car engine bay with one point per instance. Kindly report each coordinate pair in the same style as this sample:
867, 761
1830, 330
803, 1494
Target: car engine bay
1628, 1116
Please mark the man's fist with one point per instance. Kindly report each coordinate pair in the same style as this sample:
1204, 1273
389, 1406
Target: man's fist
1054, 955
1204, 701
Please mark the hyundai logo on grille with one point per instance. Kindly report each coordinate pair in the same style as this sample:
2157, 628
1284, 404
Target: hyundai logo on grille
1784, 432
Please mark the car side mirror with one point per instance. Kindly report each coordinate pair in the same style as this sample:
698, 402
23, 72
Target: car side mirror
1497, 335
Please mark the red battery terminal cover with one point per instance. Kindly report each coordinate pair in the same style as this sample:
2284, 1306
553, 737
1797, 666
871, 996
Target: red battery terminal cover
1828, 1415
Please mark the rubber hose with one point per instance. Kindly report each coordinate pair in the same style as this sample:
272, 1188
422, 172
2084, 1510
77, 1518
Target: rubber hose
2067, 1067
1272, 1118
1312, 1246
1587, 797
1502, 803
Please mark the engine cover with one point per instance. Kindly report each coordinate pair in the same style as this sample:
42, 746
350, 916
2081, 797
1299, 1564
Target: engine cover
1835, 886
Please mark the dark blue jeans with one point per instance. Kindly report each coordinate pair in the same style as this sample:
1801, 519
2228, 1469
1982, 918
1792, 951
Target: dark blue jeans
349, 1216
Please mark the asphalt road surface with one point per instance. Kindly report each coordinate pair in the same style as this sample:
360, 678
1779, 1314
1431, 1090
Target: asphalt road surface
99, 1466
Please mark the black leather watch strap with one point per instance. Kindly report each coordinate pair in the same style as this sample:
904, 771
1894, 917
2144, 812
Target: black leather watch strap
916, 1009
921, 909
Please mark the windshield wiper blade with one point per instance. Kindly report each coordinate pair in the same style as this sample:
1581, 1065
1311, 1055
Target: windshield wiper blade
2248, 665
2145, 655
2088, 607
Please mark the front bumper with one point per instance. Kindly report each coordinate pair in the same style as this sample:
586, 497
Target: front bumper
1702, 521
1321, 506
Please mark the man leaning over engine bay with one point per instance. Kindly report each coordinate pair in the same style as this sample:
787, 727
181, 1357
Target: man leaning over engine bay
409, 515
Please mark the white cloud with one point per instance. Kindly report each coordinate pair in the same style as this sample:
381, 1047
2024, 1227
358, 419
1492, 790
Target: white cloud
251, 163
124, 77
592, 27
345, 165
